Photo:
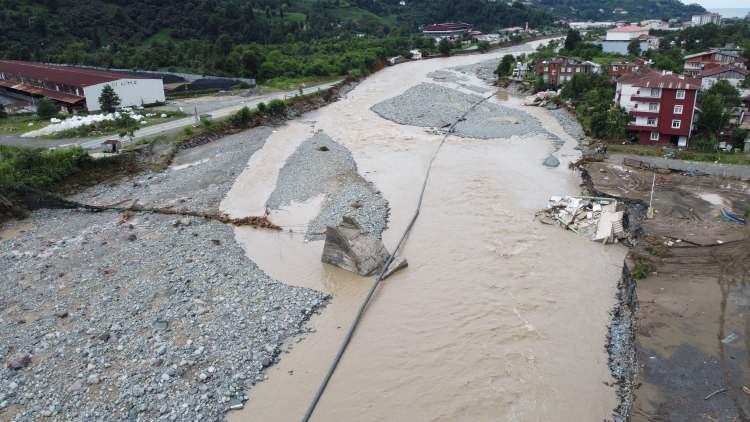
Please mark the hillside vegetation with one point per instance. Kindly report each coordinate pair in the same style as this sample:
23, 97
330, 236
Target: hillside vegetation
608, 9
252, 38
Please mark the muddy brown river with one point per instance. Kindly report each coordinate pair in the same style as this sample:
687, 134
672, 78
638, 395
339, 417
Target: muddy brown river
497, 317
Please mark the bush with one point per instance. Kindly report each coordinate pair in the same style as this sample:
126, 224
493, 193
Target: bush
38, 169
46, 109
277, 108
262, 107
242, 118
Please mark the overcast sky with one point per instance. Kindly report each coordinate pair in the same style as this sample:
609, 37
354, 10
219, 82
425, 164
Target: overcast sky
713, 4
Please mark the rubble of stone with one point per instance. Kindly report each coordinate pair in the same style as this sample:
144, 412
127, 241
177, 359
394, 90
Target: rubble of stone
434, 106
321, 165
597, 219
114, 316
347, 246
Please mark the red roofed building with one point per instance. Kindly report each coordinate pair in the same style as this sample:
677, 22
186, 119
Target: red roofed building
696, 63
616, 70
661, 106
446, 30
76, 88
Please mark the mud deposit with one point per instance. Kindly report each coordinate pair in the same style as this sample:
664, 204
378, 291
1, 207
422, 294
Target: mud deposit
692, 331
496, 318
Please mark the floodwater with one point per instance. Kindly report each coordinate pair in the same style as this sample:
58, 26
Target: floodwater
497, 317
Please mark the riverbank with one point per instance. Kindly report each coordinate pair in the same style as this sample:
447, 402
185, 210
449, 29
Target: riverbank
687, 272
126, 315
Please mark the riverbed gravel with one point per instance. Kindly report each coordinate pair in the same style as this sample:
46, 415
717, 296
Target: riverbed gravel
198, 178
435, 106
322, 166
141, 317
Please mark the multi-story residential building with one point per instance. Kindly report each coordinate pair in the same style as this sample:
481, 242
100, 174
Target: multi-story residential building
557, 70
661, 106
706, 18
717, 57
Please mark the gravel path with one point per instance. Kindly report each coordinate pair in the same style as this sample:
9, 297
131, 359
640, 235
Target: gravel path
322, 166
142, 319
431, 105
569, 123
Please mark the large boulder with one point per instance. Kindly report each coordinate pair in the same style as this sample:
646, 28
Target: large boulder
348, 247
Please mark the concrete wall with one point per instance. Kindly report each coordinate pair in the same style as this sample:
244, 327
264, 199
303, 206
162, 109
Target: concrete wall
132, 92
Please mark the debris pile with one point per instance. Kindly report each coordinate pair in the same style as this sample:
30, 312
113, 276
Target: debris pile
541, 98
598, 219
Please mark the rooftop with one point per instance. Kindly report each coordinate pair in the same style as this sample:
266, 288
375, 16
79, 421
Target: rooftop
42, 92
71, 76
721, 69
631, 28
656, 79
446, 27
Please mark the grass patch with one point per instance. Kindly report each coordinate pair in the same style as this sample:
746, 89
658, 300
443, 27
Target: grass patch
112, 127
641, 268
37, 168
18, 125
736, 158
287, 84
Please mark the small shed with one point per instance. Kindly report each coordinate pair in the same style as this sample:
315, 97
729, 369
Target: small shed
113, 145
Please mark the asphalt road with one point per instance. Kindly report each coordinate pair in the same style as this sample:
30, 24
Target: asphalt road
216, 106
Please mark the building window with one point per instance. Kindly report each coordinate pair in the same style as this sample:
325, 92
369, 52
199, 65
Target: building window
653, 107
655, 92
676, 124
654, 136
680, 94
678, 109
651, 121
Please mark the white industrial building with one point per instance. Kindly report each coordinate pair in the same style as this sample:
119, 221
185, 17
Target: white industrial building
706, 18
75, 88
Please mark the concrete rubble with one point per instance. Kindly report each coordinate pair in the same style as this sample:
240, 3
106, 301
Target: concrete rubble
541, 98
347, 246
598, 219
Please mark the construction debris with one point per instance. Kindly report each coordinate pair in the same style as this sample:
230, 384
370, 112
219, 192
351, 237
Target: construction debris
541, 99
598, 219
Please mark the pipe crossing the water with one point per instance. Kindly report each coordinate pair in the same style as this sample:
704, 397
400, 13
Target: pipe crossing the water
388, 262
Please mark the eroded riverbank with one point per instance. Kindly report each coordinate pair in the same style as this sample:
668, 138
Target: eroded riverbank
497, 317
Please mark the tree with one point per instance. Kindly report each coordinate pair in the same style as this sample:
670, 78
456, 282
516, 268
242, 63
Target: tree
483, 46
716, 105
108, 99
445, 46
572, 39
634, 47
46, 109
3, 113
505, 67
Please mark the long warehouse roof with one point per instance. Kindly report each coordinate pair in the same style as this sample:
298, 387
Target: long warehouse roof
72, 76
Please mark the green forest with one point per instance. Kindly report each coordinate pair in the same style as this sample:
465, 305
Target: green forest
251, 38
620, 9
264, 39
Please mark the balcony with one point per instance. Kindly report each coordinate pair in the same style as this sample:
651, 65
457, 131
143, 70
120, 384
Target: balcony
646, 99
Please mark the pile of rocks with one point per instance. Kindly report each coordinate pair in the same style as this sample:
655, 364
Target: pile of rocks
321, 165
435, 106
141, 320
